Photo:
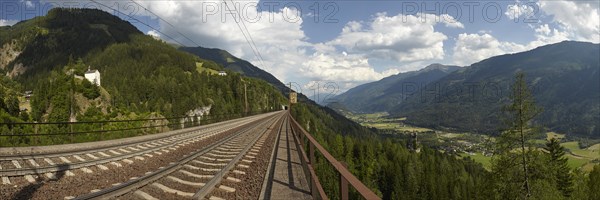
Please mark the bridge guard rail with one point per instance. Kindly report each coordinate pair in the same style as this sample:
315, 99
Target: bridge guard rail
307, 161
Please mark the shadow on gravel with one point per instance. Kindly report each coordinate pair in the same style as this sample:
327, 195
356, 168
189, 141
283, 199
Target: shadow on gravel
28, 191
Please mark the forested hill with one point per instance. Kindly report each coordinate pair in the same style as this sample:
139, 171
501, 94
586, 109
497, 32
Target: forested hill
387, 93
44, 43
233, 63
565, 78
139, 74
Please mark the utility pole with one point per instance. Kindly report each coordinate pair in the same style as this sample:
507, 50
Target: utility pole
289, 98
72, 102
245, 97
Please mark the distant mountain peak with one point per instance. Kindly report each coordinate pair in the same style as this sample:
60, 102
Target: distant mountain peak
441, 67
386, 93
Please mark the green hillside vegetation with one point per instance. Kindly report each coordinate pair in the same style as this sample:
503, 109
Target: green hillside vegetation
480, 158
385, 165
235, 64
201, 69
9, 101
578, 157
142, 76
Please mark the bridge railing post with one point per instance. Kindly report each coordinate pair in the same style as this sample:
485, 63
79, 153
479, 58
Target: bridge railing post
346, 178
312, 153
343, 186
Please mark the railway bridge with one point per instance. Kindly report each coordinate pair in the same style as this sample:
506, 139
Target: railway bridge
265, 156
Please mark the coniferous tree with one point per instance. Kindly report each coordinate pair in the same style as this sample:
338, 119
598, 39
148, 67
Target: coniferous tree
594, 183
12, 106
514, 152
559, 166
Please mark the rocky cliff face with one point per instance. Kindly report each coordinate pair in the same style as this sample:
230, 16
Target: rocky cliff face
196, 114
8, 53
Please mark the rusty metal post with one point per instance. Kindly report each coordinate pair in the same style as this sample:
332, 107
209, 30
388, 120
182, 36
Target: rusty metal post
301, 137
314, 190
312, 154
102, 131
313, 184
343, 188
71, 132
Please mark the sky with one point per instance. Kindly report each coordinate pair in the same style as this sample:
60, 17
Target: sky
336, 45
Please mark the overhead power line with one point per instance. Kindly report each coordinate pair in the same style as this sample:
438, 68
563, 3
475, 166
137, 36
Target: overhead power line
251, 41
243, 28
140, 21
167, 22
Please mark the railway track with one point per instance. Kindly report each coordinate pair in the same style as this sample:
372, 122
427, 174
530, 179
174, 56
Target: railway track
205, 173
93, 163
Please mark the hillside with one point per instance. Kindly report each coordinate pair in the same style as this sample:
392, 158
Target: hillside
235, 64
141, 75
380, 96
565, 78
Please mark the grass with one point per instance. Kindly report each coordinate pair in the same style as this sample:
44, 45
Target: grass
590, 152
24, 104
582, 157
395, 126
201, 69
413, 129
588, 167
575, 163
550, 135
377, 120
452, 135
595, 147
480, 158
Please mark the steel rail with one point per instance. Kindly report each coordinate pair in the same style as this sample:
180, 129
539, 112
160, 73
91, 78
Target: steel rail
180, 138
134, 184
210, 185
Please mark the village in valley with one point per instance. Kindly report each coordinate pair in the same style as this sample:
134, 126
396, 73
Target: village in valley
478, 147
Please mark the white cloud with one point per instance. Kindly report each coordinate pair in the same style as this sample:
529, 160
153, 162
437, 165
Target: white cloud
546, 35
277, 35
154, 34
515, 11
343, 68
579, 19
29, 4
450, 21
5, 22
279, 39
572, 20
471, 48
400, 37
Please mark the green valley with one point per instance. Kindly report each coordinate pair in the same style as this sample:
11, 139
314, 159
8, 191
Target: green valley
472, 145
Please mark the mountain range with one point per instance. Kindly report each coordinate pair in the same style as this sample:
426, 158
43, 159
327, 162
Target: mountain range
389, 92
564, 78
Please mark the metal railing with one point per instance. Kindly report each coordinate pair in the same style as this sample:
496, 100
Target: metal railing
308, 161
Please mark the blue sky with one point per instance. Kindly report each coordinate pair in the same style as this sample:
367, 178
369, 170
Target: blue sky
349, 42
